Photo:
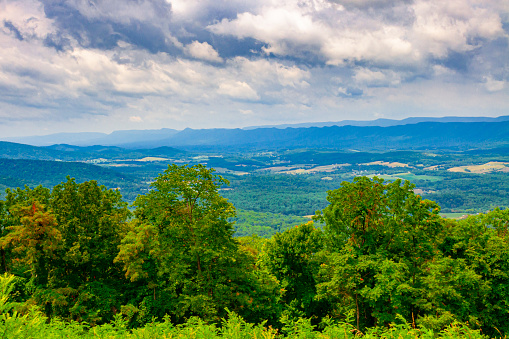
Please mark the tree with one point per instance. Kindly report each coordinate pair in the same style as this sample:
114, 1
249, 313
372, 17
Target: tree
292, 257
380, 236
86, 284
67, 238
14, 200
90, 218
476, 270
35, 239
181, 247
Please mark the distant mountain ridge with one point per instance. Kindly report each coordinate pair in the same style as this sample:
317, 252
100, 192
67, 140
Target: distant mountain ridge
172, 137
424, 135
411, 136
64, 152
90, 139
385, 122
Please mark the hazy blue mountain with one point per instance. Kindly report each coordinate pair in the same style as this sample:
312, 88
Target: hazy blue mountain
64, 152
171, 137
384, 122
128, 136
89, 139
424, 135
11, 150
58, 138
115, 152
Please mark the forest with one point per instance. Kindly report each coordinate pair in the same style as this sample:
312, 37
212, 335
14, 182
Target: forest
377, 261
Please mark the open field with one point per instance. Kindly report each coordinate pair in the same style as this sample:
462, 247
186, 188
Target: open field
492, 166
385, 163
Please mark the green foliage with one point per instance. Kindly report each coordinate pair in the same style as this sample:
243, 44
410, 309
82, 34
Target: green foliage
468, 191
278, 193
21, 172
380, 237
64, 241
90, 218
34, 240
180, 246
264, 224
480, 244
390, 256
35, 325
385, 265
291, 257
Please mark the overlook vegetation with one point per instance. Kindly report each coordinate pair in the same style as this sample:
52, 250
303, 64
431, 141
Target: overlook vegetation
378, 260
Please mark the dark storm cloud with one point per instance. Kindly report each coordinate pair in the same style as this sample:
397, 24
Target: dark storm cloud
457, 61
96, 25
13, 30
493, 59
351, 92
58, 42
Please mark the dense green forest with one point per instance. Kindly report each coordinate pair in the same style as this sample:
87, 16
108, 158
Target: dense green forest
377, 259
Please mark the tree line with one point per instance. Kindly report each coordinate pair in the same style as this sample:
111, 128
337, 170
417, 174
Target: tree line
383, 256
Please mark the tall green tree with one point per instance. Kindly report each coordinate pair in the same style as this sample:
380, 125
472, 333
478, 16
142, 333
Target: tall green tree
90, 218
68, 238
475, 286
292, 257
85, 279
379, 235
181, 247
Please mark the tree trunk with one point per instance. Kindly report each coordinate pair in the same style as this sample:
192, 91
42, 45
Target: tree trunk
357, 306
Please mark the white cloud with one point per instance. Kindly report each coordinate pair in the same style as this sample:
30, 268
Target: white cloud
368, 77
493, 85
202, 50
385, 46
238, 90
262, 72
440, 70
28, 17
122, 11
275, 26
433, 28
441, 26
135, 118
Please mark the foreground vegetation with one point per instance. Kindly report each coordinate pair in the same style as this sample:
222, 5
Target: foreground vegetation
386, 264
35, 325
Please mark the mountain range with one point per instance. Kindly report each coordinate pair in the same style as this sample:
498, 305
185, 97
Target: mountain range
290, 135
386, 122
453, 133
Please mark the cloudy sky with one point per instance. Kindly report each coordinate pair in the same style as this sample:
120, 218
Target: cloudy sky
104, 65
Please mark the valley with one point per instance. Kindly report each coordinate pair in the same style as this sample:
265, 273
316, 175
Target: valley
267, 184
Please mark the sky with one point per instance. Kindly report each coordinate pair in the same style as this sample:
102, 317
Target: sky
105, 65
